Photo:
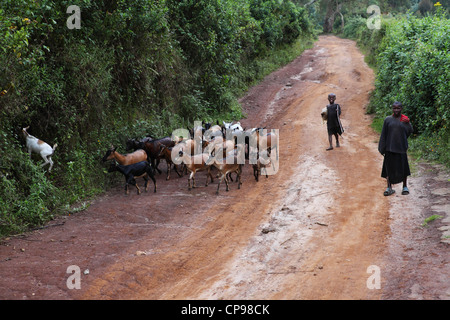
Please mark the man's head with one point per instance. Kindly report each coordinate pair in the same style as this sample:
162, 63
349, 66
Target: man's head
332, 98
397, 108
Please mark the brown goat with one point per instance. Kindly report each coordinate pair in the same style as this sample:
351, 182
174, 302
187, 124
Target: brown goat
226, 166
152, 149
263, 161
127, 159
194, 164
166, 153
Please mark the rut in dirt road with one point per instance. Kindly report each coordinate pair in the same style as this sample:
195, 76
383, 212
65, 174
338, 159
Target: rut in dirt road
309, 232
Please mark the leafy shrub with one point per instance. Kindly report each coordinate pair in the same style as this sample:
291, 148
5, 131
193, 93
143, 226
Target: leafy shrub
27, 196
414, 67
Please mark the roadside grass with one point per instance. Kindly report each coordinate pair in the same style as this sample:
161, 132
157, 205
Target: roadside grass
430, 219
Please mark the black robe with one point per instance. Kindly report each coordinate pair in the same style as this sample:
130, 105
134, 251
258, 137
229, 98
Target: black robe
334, 125
393, 145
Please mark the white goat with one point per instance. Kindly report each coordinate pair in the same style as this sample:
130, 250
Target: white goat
232, 127
38, 146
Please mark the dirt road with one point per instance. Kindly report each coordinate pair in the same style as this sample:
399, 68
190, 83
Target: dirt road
309, 232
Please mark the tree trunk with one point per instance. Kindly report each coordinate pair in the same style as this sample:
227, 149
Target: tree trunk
333, 8
342, 21
329, 18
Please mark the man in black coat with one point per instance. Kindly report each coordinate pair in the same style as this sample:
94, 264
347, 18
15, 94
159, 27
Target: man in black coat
393, 145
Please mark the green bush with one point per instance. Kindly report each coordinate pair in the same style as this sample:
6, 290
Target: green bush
27, 196
414, 68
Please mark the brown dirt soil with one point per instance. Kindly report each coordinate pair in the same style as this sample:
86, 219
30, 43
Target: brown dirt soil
309, 232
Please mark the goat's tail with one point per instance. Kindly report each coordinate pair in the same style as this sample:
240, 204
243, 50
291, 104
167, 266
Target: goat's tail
54, 147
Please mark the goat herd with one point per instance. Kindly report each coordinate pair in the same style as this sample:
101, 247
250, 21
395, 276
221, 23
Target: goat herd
226, 147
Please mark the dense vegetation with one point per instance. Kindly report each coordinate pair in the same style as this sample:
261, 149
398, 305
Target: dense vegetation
411, 54
135, 67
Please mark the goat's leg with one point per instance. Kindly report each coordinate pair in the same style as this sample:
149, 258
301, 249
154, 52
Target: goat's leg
132, 181
138, 190
256, 172
273, 165
189, 180
239, 177
154, 182
176, 170
45, 160
156, 166
226, 182
151, 174
146, 183
220, 181
209, 175
51, 164
265, 170
168, 170
193, 180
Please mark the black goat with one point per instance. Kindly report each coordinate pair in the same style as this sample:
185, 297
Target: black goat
132, 171
133, 144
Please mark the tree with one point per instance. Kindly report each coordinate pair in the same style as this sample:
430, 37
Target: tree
425, 6
333, 7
